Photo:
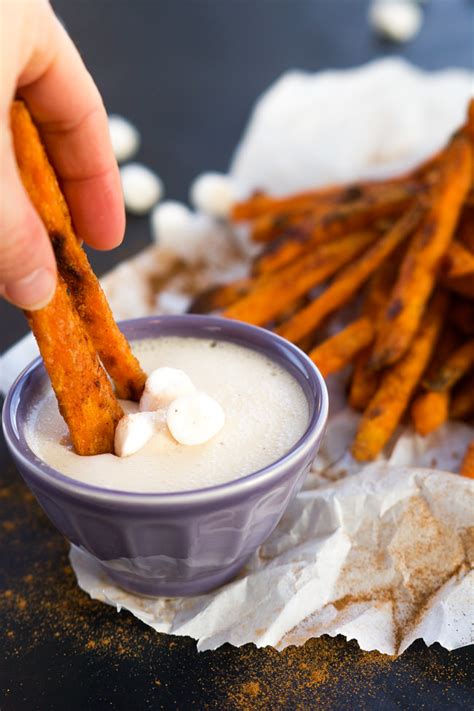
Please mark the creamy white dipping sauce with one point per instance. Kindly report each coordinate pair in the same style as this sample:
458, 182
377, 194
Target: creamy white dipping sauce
266, 412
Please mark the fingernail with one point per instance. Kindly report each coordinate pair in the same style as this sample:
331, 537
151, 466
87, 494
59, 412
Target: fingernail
33, 291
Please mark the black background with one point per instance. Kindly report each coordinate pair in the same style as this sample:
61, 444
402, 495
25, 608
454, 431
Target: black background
187, 72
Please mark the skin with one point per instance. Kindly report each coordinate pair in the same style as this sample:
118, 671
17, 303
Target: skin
39, 63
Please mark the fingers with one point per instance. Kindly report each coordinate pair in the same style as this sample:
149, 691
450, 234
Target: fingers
67, 106
27, 264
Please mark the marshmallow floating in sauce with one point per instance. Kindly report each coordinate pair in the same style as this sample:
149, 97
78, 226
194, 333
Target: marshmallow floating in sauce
194, 419
214, 194
124, 137
133, 432
163, 386
141, 187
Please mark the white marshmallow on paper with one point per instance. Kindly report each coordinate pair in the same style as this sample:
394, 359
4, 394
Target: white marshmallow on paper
133, 432
170, 222
163, 386
141, 187
214, 194
397, 20
195, 419
124, 136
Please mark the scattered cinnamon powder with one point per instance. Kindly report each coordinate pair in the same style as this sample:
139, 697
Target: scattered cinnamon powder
42, 602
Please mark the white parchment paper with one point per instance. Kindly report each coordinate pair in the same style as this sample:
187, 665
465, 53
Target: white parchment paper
381, 553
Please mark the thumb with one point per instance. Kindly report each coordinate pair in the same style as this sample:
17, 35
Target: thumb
27, 263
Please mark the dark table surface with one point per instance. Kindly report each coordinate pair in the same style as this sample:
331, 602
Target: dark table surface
187, 73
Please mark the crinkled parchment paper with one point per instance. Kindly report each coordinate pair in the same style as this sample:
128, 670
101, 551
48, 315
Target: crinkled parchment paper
381, 553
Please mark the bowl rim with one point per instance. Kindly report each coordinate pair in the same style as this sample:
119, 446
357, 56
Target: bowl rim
50, 476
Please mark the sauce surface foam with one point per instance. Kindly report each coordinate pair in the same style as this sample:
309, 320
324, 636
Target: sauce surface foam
265, 408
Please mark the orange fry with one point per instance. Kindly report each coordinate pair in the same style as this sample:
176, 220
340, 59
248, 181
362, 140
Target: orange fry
458, 261
462, 400
455, 367
386, 408
84, 392
220, 296
364, 379
307, 231
429, 411
41, 184
467, 466
460, 285
428, 245
338, 351
273, 293
350, 279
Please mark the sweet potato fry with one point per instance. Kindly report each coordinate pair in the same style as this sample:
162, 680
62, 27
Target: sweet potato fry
338, 351
350, 279
467, 465
220, 296
301, 236
458, 261
84, 392
42, 186
429, 411
397, 384
272, 294
456, 366
422, 260
323, 198
293, 243
364, 379
462, 400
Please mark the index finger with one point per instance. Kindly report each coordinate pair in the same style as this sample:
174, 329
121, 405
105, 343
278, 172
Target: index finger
72, 120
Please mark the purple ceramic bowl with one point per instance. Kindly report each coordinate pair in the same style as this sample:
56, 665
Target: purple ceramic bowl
182, 543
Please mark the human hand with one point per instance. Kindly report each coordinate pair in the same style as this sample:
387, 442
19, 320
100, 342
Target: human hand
39, 62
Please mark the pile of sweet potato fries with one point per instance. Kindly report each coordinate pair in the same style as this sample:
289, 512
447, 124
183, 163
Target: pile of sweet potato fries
76, 332
407, 245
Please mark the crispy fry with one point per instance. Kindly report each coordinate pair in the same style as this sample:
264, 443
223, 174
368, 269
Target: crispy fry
386, 408
321, 198
427, 247
272, 294
41, 184
456, 366
462, 401
364, 379
429, 411
84, 392
338, 351
458, 261
350, 279
467, 466
306, 232
281, 251
220, 296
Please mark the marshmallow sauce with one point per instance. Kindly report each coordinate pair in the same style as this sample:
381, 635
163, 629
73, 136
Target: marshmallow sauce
266, 413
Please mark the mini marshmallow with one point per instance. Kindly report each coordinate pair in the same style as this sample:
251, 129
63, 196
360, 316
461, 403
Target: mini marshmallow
133, 432
141, 187
124, 136
163, 386
195, 419
214, 194
169, 222
397, 20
